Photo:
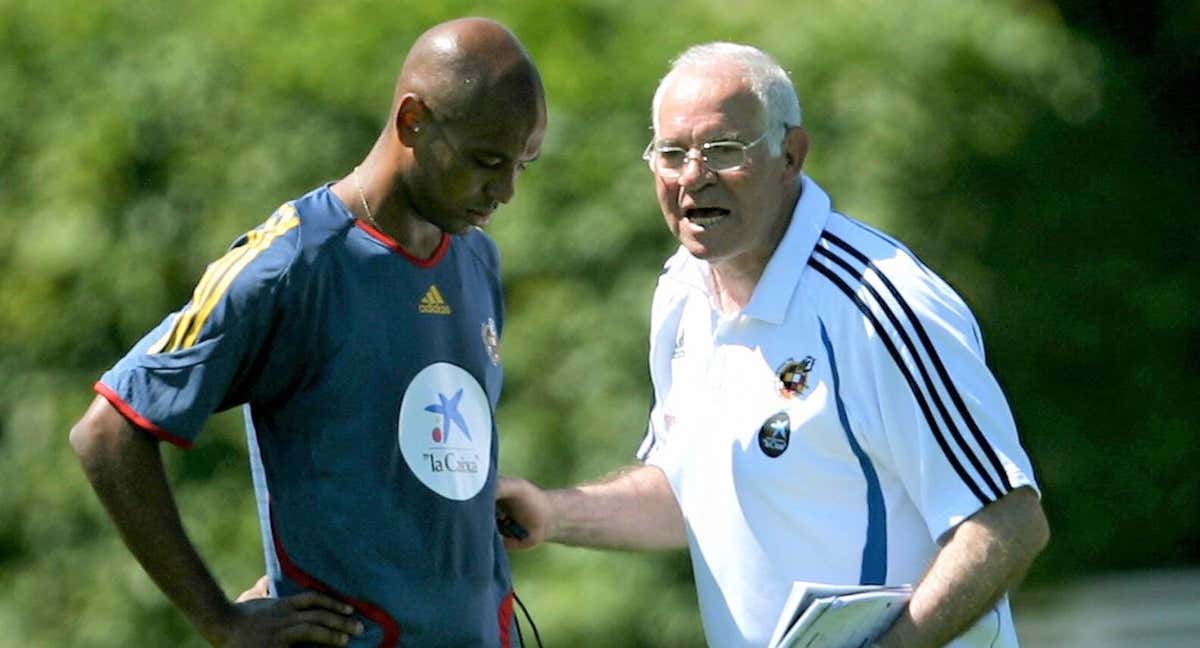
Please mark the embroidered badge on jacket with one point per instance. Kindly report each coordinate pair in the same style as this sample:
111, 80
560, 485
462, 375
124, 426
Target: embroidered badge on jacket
491, 340
793, 376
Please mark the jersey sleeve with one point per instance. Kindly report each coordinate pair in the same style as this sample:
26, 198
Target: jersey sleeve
201, 358
653, 445
932, 409
665, 320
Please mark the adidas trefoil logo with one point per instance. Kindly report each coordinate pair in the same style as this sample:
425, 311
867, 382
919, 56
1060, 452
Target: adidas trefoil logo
433, 303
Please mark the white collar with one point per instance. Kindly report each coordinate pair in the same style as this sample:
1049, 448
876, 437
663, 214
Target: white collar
775, 288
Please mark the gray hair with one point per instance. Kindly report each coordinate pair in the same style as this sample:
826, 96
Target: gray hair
768, 82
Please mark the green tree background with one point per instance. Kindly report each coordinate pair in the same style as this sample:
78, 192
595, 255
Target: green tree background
1042, 156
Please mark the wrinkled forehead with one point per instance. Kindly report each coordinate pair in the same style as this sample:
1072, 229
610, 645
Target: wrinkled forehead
715, 101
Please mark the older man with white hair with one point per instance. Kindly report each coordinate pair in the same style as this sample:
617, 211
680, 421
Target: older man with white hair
823, 411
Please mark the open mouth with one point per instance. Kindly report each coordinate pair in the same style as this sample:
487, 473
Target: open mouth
705, 216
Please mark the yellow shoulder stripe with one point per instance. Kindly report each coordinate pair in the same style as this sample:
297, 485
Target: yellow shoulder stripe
219, 275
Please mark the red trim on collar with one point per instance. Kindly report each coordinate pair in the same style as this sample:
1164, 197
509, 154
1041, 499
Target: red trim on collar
138, 420
391, 243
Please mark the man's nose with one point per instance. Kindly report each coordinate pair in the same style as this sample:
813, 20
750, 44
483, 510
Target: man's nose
502, 188
694, 172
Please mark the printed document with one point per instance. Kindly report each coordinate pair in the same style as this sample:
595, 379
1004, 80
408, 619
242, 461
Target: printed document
819, 615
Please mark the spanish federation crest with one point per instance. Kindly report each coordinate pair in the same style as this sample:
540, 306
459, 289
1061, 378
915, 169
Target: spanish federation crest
793, 376
491, 340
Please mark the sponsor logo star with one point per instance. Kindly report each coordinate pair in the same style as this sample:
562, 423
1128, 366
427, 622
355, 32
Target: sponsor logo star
448, 408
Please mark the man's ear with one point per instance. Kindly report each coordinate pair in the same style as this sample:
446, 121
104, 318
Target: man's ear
411, 113
795, 150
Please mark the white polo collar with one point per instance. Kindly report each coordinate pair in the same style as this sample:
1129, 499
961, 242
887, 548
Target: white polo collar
775, 288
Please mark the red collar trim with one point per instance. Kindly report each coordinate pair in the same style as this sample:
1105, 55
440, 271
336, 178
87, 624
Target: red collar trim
391, 243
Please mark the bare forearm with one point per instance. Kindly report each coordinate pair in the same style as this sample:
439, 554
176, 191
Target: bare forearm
634, 509
987, 556
125, 469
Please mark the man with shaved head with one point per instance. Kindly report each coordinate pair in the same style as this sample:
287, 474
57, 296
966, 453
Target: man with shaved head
359, 328
822, 408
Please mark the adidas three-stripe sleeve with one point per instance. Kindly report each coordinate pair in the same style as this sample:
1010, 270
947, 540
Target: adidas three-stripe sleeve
916, 382
202, 358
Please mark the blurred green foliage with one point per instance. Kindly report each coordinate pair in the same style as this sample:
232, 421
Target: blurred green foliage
1025, 160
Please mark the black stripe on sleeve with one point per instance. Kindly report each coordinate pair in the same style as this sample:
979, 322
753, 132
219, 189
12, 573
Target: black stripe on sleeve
908, 377
978, 435
925, 377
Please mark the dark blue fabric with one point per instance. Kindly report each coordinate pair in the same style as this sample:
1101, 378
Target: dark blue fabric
321, 335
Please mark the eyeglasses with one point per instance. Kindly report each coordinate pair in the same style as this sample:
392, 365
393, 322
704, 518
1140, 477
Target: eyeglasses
725, 155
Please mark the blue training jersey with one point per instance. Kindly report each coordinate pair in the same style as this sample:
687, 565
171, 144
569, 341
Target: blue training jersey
369, 380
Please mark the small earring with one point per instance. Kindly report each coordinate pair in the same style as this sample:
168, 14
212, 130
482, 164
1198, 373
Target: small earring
416, 129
